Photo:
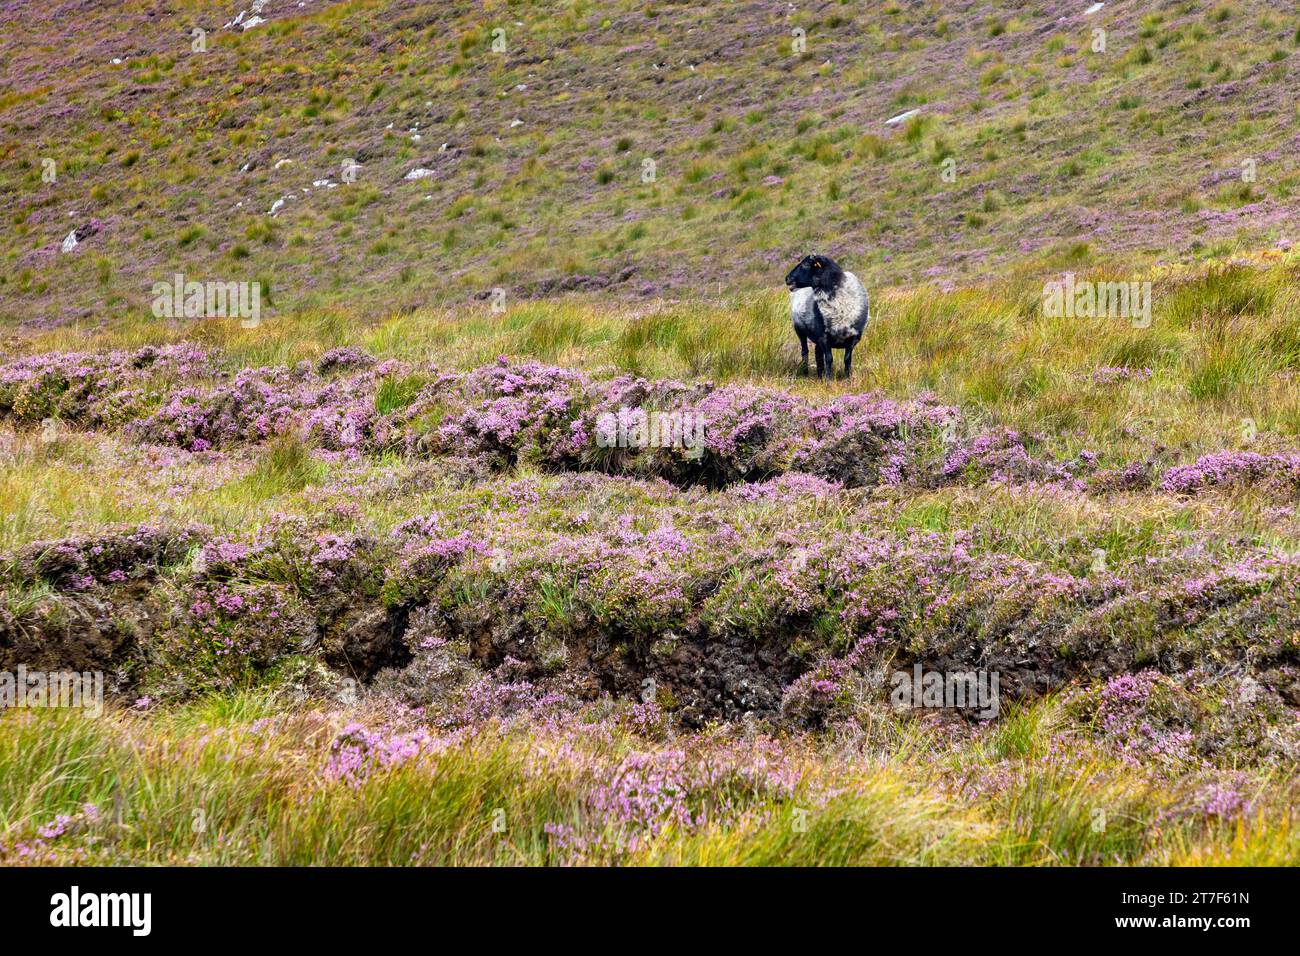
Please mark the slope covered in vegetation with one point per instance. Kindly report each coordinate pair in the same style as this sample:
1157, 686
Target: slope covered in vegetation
396, 574
643, 149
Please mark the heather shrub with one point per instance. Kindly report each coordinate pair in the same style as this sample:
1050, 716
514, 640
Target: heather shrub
1173, 721
1235, 470
256, 405
510, 412
342, 358
421, 565
631, 602
228, 636
104, 390
769, 596
108, 558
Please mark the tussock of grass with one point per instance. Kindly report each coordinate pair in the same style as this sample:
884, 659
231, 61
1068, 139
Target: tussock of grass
286, 466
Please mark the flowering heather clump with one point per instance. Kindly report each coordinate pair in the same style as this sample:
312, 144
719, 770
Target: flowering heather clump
511, 413
356, 753
749, 433
593, 587
344, 414
648, 719
790, 487
865, 439
1223, 800
1235, 469
1135, 476
489, 697
230, 635
333, 555
423, 563
344, 357
1137, 714
1216, 797
111, 557
634, 601
812, 698
254, 406
44, 845
767, 594
1001, 456
103, 390
628, 400
648, 793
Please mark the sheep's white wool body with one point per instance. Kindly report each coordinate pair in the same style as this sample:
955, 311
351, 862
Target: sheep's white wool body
845, 310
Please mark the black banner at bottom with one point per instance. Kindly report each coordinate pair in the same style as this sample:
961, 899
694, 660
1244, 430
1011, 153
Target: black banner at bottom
341, 905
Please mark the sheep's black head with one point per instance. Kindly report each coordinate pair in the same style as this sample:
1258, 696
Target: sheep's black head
815, 272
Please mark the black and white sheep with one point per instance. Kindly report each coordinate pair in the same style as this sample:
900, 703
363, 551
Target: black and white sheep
829, 306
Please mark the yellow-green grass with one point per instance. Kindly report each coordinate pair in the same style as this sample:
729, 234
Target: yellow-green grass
241, 780
1223, 350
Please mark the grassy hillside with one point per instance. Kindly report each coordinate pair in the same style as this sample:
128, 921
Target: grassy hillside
366, 585
536, 155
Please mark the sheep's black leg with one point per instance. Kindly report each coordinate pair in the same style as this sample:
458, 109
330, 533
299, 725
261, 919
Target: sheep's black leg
820, 353
848, 359
803, 346
830, 363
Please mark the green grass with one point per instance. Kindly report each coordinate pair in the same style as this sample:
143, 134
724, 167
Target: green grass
286, 467
240, 780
